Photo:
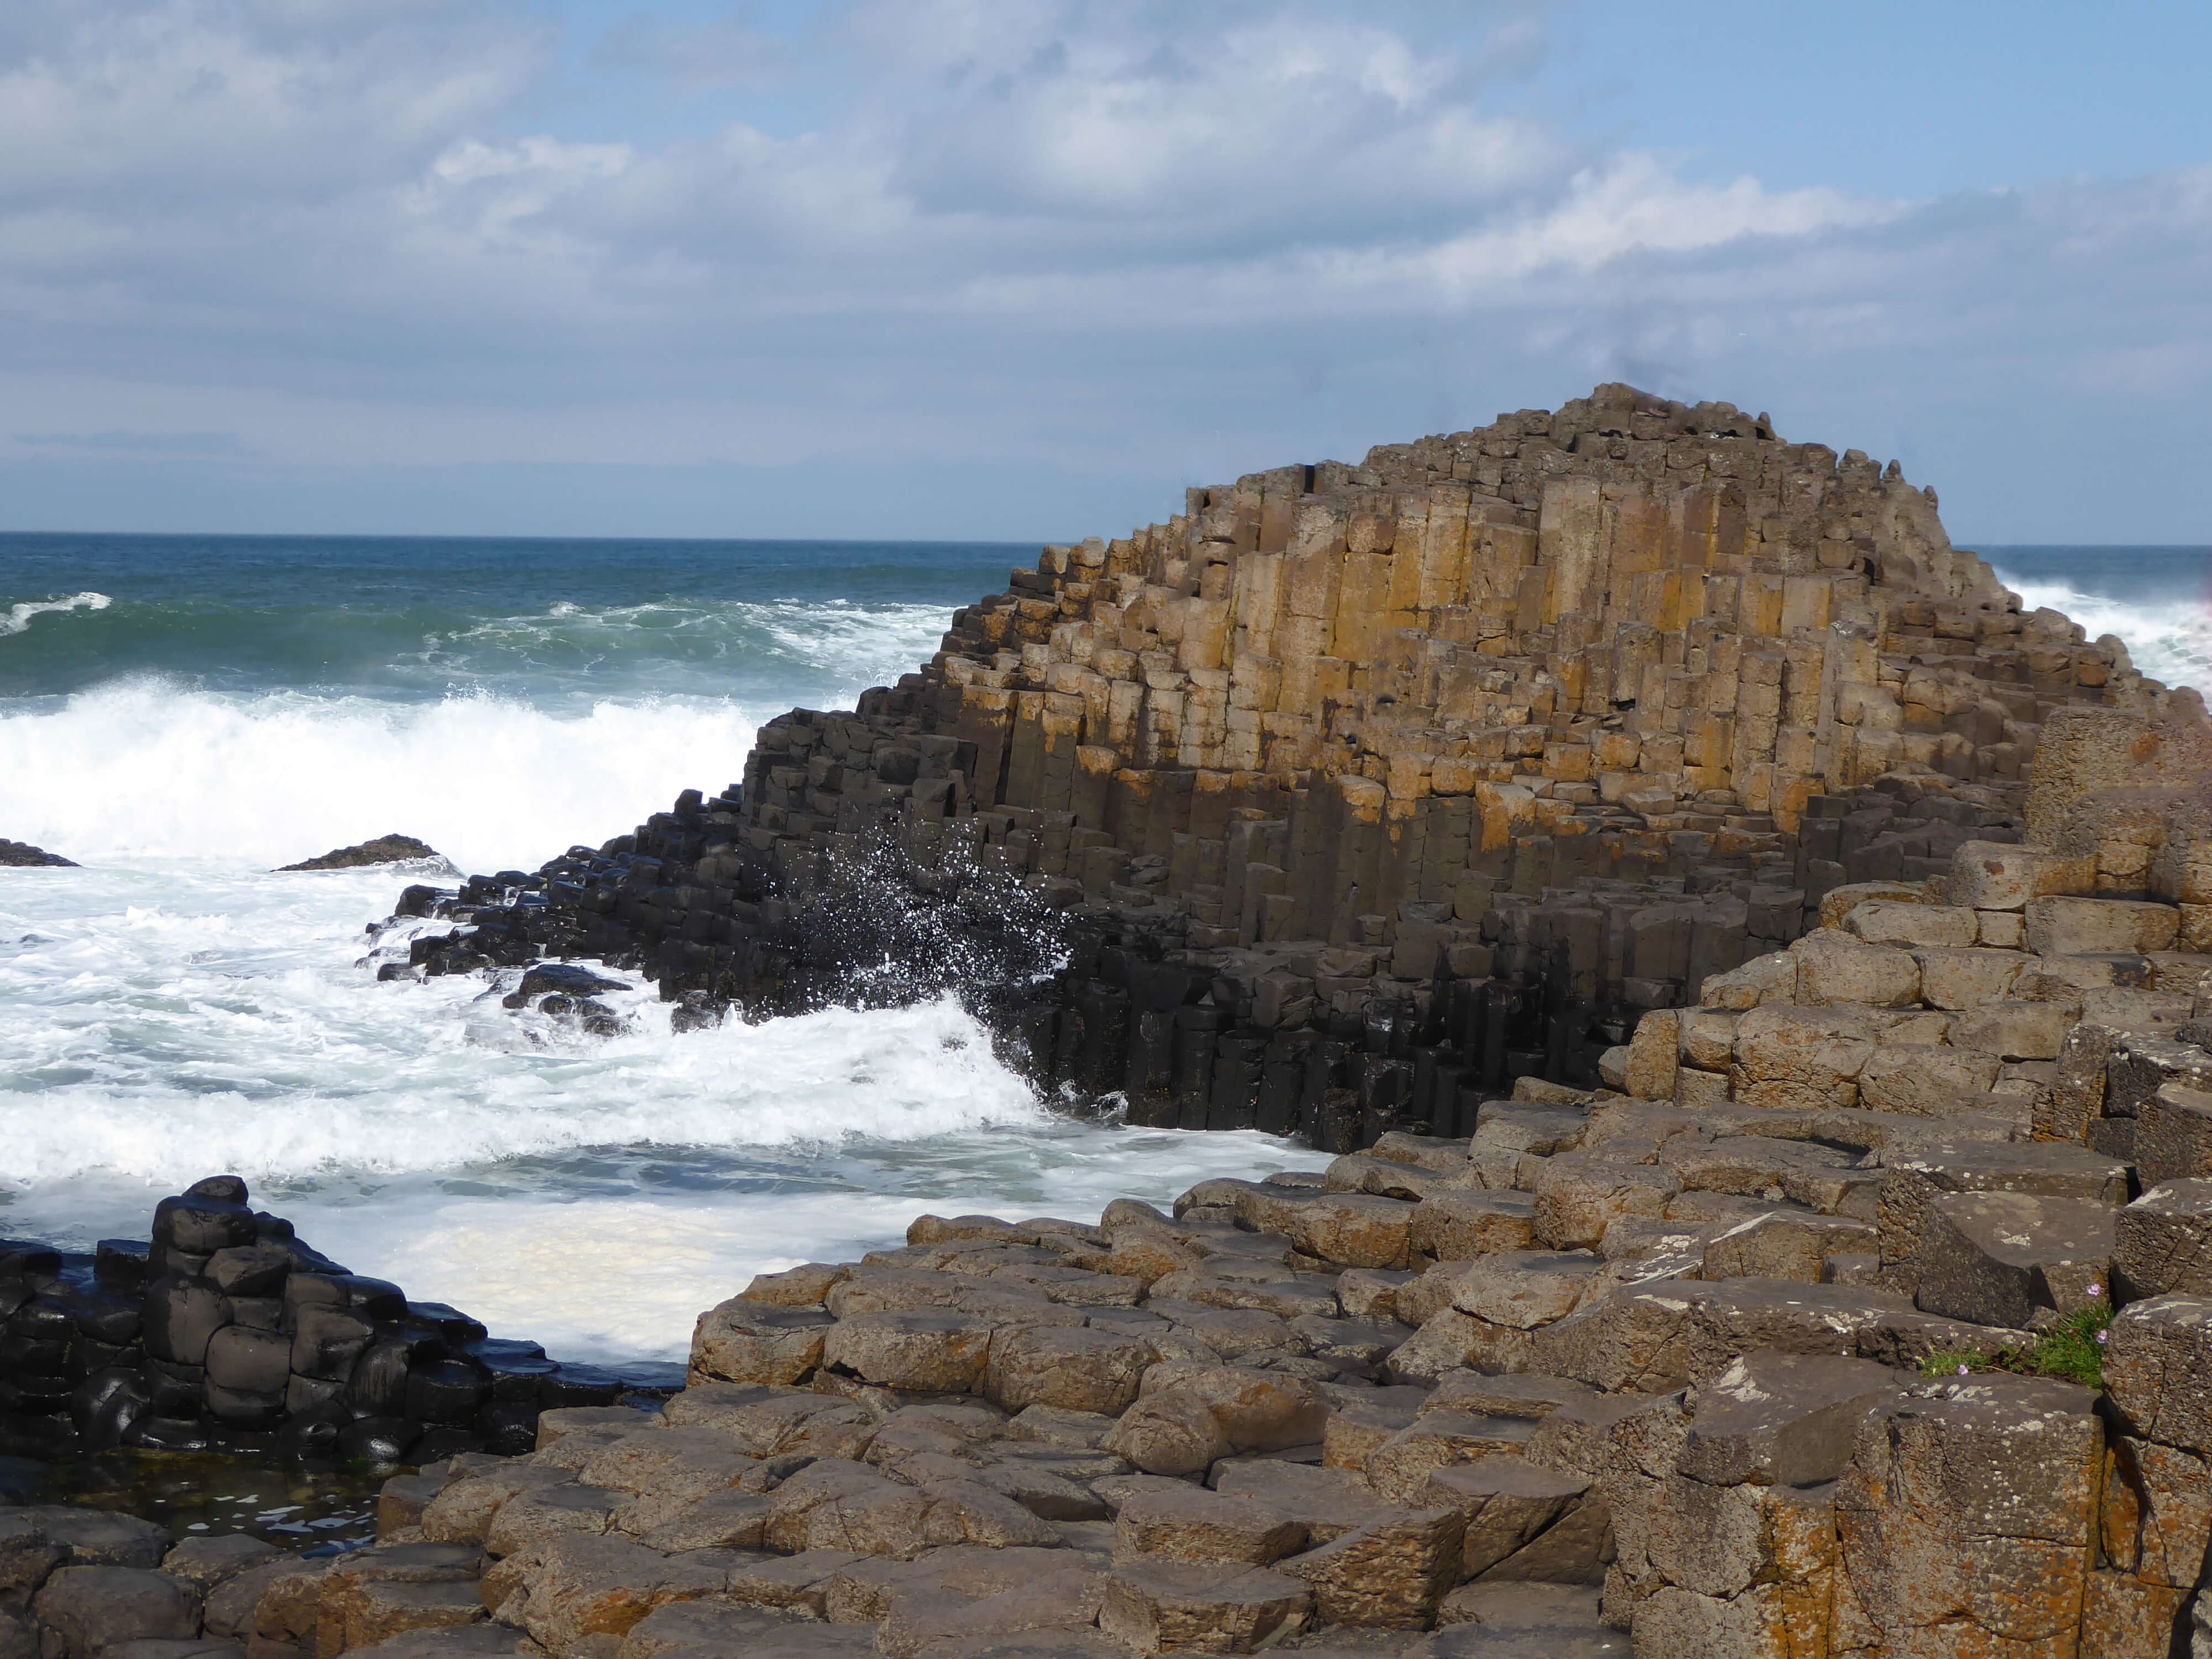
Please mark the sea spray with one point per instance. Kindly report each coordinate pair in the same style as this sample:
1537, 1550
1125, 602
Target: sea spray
150, 768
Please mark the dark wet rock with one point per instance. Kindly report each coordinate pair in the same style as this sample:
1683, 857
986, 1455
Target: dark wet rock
16, 854
567, 978
385, 849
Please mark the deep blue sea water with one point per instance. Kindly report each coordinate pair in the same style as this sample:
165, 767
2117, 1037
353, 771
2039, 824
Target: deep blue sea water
182, 713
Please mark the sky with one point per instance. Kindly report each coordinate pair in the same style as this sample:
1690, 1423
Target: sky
1023, 269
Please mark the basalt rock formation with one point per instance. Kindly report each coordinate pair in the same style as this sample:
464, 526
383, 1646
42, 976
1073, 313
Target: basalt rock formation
1352, 793
22, 855
1867, 1314
1855, 1303
228, 1332
394, 849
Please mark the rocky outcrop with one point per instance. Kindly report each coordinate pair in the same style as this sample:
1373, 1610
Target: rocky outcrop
1614, 1373
1863, 1312
22, 855
228, 1333
385, 849
1353, 793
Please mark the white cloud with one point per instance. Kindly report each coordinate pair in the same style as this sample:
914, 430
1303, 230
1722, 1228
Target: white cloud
1119, 234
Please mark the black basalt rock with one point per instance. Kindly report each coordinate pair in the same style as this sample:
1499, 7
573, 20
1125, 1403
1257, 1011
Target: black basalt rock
378, 1387
106, 1405
255, 1344
257, 1269
327, 1341
446, 1392
385, 849
22, 855
507, 1429
377, 1439
201, 1225
182, 1317
250, 1362
174, 1390
123, 1265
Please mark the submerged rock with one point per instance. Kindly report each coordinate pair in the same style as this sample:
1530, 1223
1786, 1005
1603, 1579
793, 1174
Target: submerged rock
385, 849
21, 855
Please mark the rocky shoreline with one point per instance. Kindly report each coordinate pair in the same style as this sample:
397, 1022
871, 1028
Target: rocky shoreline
1756, 987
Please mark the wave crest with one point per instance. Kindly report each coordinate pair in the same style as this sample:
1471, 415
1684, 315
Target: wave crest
2171, 642
148, 767
18, 619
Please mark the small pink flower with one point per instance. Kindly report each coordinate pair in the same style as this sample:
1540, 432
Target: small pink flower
2102, 1335
1962, 1371
2096, 1290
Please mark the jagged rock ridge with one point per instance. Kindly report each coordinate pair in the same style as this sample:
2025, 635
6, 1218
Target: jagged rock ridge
1352, 791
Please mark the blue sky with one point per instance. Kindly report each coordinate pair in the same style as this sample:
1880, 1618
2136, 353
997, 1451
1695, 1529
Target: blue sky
948, 268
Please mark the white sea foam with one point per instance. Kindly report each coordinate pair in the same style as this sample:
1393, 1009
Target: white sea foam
19, 616
145, 768
593, 1275
210, 1018
174, 1009
2171, 642
168, 1021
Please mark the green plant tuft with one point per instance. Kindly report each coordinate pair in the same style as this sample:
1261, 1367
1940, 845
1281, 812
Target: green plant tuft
2072, 1350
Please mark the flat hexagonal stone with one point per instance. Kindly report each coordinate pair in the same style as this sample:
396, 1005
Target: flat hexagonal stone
1190, 1524
1784, 1419
1994, 1258
1220, 1609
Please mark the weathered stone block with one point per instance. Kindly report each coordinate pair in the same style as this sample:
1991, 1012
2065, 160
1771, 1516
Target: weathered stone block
1832, 966
1353, 1229
1801, 1058
2162, 1242
1783, 1420
744, 1341
1399, 1467
2158, 1370
1165, 1606
2013, 1030
929, 1352
91, 1608
1391, 1573
1194, 1414
1994, 1258
2090, 927
2174, 1135
1578, 1195
1523, 1289
1508, 1504
1189, 1523
1987, 875
1887, 922
1653, 1055
2138, 1065
1969, 1513
1459, 1224
1924, 1080
1914, 1177
1968, 978
1786, 1244
1071, 1369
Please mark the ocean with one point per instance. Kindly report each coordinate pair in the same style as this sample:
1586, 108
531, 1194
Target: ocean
182, 713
